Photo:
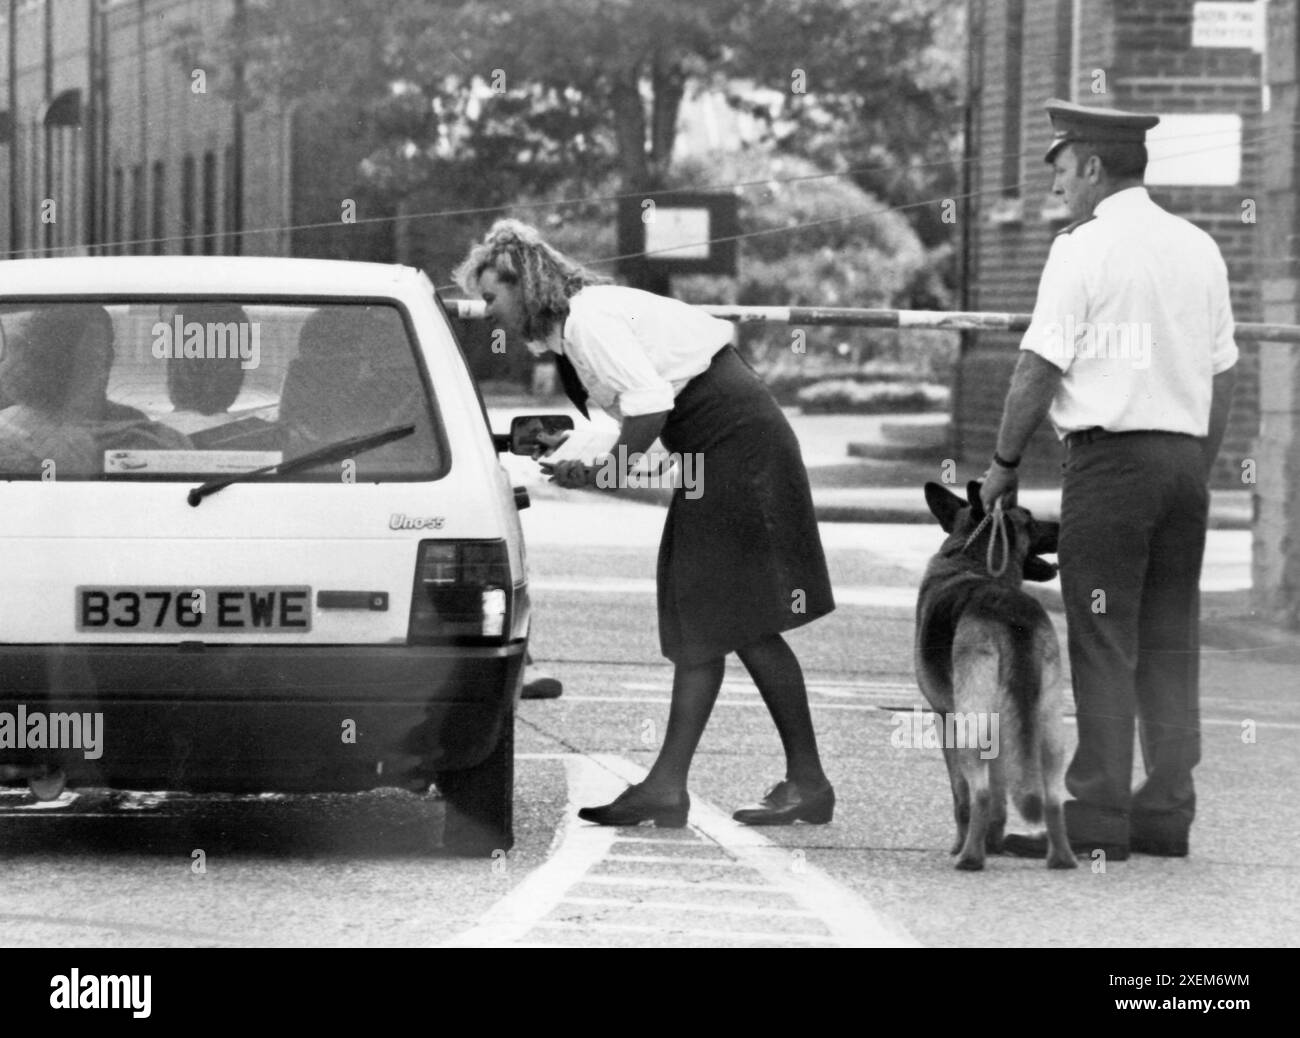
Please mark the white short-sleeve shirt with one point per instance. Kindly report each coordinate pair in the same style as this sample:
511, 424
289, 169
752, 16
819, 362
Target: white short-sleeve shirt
1133, 308
634, 350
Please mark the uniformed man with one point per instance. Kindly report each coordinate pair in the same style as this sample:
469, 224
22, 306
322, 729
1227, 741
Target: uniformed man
1131, 353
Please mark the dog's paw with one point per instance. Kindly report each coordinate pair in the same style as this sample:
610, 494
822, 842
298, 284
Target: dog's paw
970, 863
1062, 859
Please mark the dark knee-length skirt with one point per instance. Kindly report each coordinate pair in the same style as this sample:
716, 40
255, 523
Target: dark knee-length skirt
741, 557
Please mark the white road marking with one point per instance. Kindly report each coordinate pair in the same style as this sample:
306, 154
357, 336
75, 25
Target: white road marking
826, 688
755, 703
851, 919
879, 596
733, 935
63, 800
869, 706
577, 849
668, 881
668, 859
689, 906
580, 848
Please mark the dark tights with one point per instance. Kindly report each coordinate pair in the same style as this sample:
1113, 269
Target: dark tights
776, 671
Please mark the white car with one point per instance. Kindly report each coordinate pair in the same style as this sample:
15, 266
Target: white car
255, 536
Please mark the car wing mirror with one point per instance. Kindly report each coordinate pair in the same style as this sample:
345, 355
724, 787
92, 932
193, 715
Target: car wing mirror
526, 430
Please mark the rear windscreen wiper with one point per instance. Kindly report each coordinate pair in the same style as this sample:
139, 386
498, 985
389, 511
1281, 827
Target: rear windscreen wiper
333, 452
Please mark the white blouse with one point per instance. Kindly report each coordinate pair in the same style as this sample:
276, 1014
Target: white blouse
634, 350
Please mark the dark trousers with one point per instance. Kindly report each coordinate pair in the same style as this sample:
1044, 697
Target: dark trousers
1133, 519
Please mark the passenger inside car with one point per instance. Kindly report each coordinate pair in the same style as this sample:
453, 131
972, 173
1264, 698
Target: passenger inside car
54, 396
352, 376
204, 388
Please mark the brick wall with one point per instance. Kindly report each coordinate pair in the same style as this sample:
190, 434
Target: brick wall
1142, 50
34, 182
155, 122
1276, 532
1009, 248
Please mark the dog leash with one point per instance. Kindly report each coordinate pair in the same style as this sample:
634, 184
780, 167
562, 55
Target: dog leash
999, 522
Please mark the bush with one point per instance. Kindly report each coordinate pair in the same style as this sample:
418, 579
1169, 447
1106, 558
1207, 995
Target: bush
846, 396
786, 382
812, 239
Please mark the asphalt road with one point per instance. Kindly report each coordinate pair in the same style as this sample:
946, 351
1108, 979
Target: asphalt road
143, 870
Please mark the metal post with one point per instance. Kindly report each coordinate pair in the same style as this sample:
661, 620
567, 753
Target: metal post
237, 191
105, 118
91, 126
15, 233
47, 166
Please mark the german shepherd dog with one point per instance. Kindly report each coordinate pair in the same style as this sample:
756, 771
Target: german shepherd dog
986, 650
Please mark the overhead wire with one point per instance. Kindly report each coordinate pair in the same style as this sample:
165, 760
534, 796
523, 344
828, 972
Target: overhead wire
588, 200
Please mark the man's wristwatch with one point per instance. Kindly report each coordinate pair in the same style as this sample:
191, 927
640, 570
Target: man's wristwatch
1003, 463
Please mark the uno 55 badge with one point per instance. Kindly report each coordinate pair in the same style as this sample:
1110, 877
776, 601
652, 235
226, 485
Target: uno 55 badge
398, 521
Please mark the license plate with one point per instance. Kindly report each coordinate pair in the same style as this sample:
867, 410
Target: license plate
194, 611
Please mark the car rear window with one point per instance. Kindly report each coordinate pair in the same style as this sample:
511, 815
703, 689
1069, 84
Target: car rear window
168, 389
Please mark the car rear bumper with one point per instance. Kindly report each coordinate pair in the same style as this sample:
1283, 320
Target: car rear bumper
254, 718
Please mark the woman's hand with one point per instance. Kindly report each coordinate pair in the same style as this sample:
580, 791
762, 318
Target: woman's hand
547, 443
570, 474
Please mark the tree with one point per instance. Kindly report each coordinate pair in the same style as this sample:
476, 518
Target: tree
874, 88
487, 101
811, 241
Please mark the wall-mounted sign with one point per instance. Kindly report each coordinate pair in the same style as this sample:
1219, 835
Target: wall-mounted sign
680, 232
1217, 24
1195, 150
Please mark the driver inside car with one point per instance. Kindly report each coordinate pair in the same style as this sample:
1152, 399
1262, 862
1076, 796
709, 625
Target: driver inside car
54, 395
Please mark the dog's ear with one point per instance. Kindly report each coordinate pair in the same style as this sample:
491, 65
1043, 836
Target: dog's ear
1043, 536
944, 504
973, 496
1039, 570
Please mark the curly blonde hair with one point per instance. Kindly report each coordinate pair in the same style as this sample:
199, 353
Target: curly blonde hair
547, 278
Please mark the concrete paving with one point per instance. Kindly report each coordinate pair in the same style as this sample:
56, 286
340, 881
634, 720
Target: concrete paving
592, 562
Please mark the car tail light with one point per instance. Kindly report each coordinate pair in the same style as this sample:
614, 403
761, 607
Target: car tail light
462, 593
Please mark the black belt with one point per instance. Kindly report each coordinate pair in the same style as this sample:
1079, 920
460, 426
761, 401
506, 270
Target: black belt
1083, 436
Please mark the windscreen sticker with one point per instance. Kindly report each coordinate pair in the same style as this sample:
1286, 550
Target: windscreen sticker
135, 461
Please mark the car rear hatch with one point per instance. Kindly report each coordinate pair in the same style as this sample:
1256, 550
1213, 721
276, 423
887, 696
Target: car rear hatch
229, 636
115, 414
257, 563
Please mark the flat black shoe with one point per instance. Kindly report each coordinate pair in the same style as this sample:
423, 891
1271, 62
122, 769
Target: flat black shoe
632, 807
542, 688
1026, 845
785, 804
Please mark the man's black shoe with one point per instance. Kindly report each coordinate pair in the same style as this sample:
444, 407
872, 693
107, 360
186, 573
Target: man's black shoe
542, 688
1163, 834
1025, 845
1160, 847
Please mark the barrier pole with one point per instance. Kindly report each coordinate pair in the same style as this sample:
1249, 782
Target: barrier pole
925, 320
